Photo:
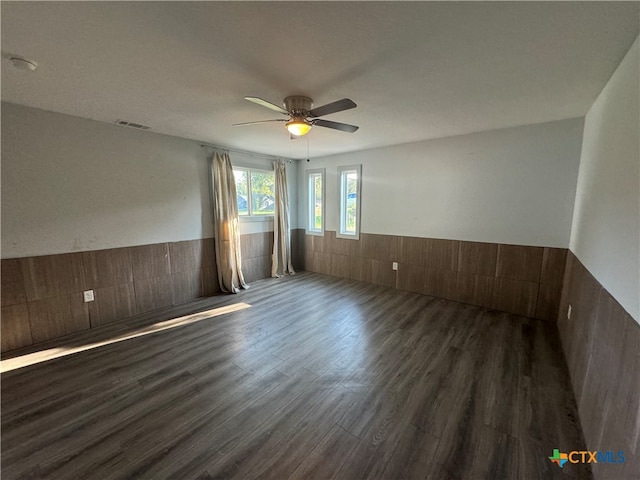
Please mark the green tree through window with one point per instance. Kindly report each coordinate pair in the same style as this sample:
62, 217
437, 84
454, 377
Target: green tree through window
255, 191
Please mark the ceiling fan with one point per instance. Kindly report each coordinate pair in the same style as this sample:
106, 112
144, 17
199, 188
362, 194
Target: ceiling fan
302, 116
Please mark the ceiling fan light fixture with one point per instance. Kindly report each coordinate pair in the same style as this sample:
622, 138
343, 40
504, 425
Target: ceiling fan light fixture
298, 126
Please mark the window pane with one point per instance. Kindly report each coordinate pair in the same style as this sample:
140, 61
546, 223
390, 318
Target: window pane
351, 184
262, 193
317, 202
242, 190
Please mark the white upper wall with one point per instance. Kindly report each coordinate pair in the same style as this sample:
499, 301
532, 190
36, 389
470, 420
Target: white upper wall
71, 184
606, 224
514, 186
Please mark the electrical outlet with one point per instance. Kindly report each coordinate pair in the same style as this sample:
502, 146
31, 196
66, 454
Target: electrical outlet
394, 265
88, 296
569, 312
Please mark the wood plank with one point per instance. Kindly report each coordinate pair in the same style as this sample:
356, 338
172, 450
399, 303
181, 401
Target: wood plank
441, 254
112, 303
153, 293
16, 330
327, 458
12, 282
105, 268
186, 256
518, 262
52, 276
478, 258
150, 261
58, 316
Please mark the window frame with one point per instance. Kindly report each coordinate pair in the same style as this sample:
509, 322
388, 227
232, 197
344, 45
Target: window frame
249, 216
310, 204
342, 204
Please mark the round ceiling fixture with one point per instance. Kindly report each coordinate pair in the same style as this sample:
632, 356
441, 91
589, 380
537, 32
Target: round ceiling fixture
298, 126
23, 63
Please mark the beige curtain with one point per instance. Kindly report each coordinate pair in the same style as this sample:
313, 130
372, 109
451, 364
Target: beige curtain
281, 258
225, 225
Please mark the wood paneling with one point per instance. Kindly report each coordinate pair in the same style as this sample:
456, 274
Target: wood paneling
208, 253
16, 330
548, 302
53, 275
256, 244
105, 268
605, 356
186, 256
624, 410
380, 383
356, 268
463, 271
256, 268
551, 278
256, 255
381, 272
478, 258
341, 246
319, 243
378, 247
58, 316
112, 303
298, 239
422, 266
441, 254
440, 283
601, 343
411, 277
210, 284
186, 286
413, 250
153, 293
13, 291
322, 262
515, 296
517, 262
340, 265
150, 261
475, 289
553, 262
585, 291
309, 260
115, 275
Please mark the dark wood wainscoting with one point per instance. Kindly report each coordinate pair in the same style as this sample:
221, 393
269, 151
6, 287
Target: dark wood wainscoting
42, 296
524, 280
601, 342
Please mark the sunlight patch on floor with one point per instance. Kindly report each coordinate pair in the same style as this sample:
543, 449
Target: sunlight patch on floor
52, 353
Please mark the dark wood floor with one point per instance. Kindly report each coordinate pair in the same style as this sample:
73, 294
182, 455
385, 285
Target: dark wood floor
320, 378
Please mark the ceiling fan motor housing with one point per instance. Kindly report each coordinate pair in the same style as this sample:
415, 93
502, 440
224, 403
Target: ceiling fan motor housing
298, 105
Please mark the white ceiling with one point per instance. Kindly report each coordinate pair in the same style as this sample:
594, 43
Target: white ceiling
417, 70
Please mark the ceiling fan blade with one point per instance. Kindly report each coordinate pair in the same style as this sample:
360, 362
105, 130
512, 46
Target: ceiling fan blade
337, 106
345, 127
269, 105
258, 121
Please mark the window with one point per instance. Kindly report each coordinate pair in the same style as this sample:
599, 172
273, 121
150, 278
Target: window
315, 202
349, 190
256, 192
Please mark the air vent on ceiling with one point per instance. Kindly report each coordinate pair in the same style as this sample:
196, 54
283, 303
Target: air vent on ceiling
124, 123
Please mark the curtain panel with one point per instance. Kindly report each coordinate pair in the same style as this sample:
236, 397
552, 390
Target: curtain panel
225, 225
281, 257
